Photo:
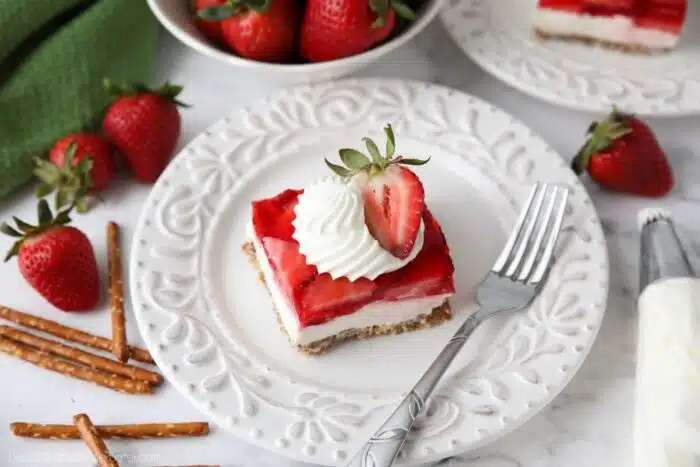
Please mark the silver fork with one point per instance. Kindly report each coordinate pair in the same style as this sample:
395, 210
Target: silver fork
513, 282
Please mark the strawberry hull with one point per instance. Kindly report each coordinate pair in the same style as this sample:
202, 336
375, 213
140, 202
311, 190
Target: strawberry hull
317, 298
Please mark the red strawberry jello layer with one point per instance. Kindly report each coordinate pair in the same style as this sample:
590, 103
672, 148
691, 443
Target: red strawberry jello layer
317, 311
629, 25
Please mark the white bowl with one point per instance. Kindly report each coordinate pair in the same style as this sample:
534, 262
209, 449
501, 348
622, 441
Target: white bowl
176, 17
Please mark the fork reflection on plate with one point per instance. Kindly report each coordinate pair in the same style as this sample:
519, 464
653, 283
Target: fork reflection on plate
512, 284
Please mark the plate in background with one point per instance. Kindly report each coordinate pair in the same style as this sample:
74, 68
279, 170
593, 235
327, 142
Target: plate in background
497, 35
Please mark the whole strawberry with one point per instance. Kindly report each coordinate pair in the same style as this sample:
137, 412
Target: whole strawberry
78, 164
211, 29
144, 126
393, 195
342, 28
623, 154
56, 260
261, 30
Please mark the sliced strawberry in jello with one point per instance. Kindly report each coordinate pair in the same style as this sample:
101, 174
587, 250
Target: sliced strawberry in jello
318, 298
293, 273
571, 6
272, 217
326, 298
663, 15
394, 206
430, 273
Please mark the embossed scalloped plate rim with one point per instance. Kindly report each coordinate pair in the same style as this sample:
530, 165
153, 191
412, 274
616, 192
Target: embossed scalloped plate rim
191, 320
573, 75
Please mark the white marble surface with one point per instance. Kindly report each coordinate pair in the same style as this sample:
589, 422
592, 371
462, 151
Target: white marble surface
589, 424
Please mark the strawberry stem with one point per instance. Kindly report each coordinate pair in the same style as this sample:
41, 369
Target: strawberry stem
403, 10
71, 184
601, 135
23, 231
232, 8
382, 8
166, 91
355, 161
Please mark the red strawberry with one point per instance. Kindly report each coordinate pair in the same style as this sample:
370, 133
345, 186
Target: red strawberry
289, 265
262, 30
623, 154
394, 203
420, 283
664, 15
273, 217
323, 298
78, 164
144, 125
342, 28
211, 29
93, 146
393, 195
430, 273
317, 298
56, 260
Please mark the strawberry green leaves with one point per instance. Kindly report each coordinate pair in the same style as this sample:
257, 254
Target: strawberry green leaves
71, 182
409, 161
390, 141
353, 159
382, 8
24, 230
166, 91
356, 161
403, 10
601, 136
374, 151
340, 170
232, 8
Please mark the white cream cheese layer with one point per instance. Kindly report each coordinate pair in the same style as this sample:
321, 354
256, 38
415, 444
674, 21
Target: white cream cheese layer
332, 234
617, 29
373, 314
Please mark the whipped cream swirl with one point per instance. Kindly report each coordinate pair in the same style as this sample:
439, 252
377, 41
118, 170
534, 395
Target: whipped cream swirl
332, 234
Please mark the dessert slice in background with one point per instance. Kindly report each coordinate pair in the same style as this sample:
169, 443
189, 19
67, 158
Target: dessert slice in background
636, 26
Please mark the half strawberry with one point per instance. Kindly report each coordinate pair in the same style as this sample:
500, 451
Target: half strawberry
393, 194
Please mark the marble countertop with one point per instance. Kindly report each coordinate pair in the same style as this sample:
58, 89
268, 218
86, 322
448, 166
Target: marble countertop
588, 424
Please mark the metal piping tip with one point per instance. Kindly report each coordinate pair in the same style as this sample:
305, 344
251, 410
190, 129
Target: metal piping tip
662, 255
649, 215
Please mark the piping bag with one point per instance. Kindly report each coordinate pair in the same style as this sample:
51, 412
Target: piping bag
667, 395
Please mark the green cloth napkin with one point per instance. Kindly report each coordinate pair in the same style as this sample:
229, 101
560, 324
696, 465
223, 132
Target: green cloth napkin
54, 55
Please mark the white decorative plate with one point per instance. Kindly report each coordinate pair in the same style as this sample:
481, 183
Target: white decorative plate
497, 34
210, 324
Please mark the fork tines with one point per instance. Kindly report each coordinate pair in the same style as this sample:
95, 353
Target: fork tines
529, 250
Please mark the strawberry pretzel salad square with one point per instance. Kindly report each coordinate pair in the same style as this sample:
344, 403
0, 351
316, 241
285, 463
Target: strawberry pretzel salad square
639, 26
355, 254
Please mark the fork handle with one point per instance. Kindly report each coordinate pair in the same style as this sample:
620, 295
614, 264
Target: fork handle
383, 447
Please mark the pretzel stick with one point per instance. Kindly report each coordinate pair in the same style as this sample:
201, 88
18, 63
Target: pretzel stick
116, 295
68, 333
135, 431
93, 441
71, 353
49, 362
